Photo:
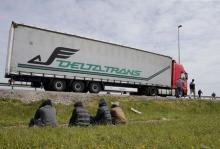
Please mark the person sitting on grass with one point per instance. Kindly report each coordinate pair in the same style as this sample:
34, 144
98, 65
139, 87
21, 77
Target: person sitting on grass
80, 116
118, 116
103, 115
45, 115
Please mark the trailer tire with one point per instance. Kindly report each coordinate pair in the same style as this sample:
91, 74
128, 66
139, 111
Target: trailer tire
94, 87
59, 85
78, 86
152, 91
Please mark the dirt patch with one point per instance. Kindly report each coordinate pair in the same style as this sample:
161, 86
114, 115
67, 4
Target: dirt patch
28, 96
57, 97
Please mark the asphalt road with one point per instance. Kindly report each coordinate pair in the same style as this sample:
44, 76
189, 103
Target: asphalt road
28, 93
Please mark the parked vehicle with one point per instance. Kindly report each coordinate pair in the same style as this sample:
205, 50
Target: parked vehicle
64, 62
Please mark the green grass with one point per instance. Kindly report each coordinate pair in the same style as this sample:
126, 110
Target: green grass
190, 124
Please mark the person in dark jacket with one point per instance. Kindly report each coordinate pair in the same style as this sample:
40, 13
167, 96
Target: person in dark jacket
103, 115
80, 116
213, 95
192, 89
45, 115
200, 93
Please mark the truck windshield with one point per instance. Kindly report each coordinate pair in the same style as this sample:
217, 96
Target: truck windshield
184, 75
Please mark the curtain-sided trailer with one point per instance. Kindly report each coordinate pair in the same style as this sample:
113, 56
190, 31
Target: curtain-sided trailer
64, 62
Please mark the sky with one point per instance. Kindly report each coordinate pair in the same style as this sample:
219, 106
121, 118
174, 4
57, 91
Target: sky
150, 25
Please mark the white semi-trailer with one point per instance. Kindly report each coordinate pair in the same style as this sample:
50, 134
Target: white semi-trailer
63, 62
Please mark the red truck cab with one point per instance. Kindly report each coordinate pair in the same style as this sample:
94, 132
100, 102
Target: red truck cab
178, 71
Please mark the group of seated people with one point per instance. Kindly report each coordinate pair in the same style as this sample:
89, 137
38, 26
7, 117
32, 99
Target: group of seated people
46, 115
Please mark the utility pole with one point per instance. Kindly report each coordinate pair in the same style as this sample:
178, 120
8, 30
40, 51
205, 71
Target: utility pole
179, 43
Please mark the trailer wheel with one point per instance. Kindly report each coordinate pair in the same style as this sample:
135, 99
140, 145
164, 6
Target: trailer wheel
59, 85
94, 87
152, 91
78, 86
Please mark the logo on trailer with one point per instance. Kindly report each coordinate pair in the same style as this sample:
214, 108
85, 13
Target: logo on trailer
59, 52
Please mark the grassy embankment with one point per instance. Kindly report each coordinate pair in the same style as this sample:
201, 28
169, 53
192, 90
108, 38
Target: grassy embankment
183, 124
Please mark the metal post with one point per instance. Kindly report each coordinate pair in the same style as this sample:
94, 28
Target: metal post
179, 43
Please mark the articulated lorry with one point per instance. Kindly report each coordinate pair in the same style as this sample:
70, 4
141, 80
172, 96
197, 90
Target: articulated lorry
64, 62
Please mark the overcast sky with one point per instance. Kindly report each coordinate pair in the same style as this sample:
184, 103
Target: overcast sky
146, 24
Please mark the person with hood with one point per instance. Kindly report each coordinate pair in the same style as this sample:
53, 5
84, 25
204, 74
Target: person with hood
200, 93
118, 116
45, 115
103, 115
80, 116
213, 95
192, 89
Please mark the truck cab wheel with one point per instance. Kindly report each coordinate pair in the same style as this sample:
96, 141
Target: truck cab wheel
59, 85
94, 87
78, 86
